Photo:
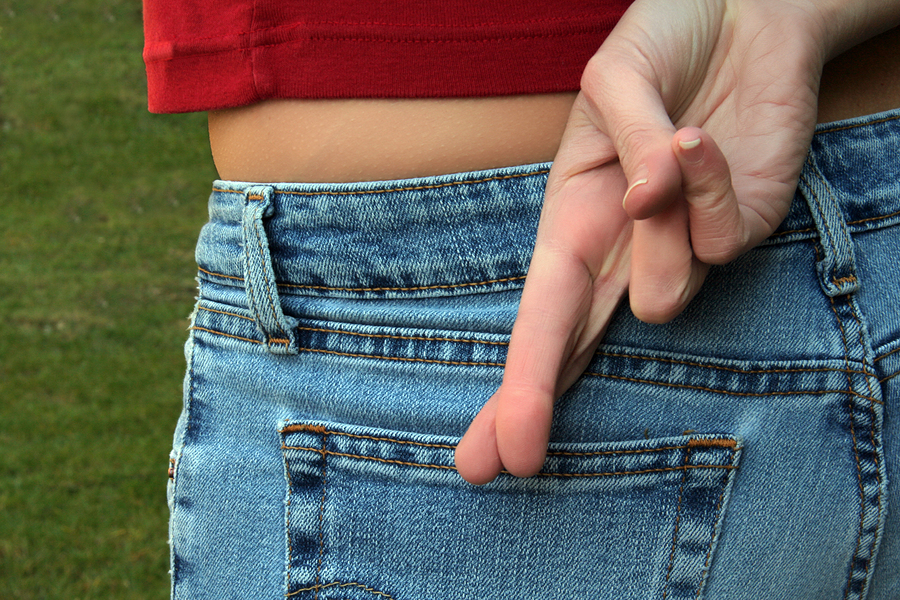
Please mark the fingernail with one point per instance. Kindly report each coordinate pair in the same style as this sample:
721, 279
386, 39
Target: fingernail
641, 181
691, 150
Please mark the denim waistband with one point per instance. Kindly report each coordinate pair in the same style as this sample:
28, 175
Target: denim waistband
474, 232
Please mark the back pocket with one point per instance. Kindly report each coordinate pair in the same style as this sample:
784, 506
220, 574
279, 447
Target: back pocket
382, 514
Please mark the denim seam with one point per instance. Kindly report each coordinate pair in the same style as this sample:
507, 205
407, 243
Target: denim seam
857, 125
402, 189
447, 286
308, 428
375, 289
851, 412
225, 312
732, 393
854, 222
720, 368
341, 584
287, 523
885, 355
187, 427
888, 377
587, 373
322, 516
856, 454
598, 353
687, 458
402, 337
872, 440
391, 461
693, 443
712, 538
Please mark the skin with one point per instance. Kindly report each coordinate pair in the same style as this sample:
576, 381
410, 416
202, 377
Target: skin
697, 112
704, 132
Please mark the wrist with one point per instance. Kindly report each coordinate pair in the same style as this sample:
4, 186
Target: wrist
846, 23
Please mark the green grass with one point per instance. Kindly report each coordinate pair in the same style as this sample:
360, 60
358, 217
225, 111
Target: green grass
101, 204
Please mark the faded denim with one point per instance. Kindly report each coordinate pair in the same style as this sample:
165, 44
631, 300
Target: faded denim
346, 334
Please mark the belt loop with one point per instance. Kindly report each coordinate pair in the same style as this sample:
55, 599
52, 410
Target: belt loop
259, 277
837, 261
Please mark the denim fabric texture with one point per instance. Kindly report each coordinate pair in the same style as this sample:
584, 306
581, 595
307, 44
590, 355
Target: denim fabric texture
346, 334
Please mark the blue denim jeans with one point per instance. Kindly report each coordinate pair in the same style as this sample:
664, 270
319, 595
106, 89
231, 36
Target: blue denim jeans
346, 334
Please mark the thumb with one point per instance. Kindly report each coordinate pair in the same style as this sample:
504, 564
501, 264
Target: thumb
629, 109
717, 226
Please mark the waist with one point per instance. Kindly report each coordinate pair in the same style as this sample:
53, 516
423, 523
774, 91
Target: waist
372, 140
470, 232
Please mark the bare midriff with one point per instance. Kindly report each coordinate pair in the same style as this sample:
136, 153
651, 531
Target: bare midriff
370, 140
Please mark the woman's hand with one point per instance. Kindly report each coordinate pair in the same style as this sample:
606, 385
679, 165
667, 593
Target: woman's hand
699, 114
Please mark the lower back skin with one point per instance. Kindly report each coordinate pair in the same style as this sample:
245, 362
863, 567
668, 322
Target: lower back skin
370, 140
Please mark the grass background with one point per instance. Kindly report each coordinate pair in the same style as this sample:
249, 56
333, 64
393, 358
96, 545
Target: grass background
100, 206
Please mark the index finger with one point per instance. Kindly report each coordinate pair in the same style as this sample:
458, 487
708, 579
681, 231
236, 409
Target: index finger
578, 274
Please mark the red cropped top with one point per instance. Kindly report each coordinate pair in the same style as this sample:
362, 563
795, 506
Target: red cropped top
210, 54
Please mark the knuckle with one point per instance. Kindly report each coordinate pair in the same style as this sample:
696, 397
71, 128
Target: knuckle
658, 307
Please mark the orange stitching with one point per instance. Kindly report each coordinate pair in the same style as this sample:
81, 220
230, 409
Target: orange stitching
848, 279
255, 197
376, 289
402, 289
339, 584
590, 373
202, 270
715, 521
402, 337
321, 516
287, 524
862, 496
609, 354
878, 358
875, 218
403, 189
842, 128
790, 231
302, 428
711, 443
708, 443
642, 472
318, 429
687, 456
404, 359
418, 188
862, 344
889, 377
731, 393
854, 222
727, 369
694, 442
542, 474
237, 337
611, 452
222, 312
